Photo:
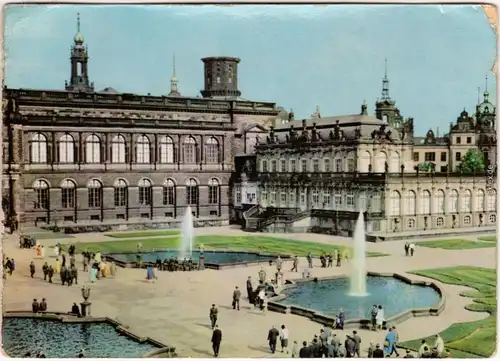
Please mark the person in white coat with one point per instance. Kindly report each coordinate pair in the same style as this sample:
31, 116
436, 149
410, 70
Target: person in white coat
439, 344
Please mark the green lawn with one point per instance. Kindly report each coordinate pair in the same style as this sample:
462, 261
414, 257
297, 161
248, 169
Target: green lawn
488, 238
160, 232
243, 243
454, 244
468, 339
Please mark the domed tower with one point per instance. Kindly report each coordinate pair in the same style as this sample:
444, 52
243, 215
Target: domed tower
174, 83
486, 111
221, 77
79, 80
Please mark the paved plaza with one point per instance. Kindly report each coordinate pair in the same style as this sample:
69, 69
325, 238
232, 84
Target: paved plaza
175, 309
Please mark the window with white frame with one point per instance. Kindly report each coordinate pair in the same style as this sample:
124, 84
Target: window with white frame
315, 198
480, 200
274, 166
362, 206
264, 166
467, 201
273, 198
167, 150
338, 201
326, 165
493, 218
349, 201
467, 220
283, 165
454, 201
411, 223
145, 192
68, 194
238, 195
66, 149
315, 165
121, 193
492, 200
303, 199
94, 188
189, 148
169, 192
118, 149
92, 149
303, 165
38, 148
142, 150
440, 202
192, 192
351, 162
291, 198
213, 191
338, 165
426, 202
326, 200
41, 189
282, 199
212, 151
410, 203
439, 222
375, 202
263, 196
293, 165
395, 203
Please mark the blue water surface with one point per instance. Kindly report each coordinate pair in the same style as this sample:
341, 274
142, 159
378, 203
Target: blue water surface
210, 257
57, 339
329, 296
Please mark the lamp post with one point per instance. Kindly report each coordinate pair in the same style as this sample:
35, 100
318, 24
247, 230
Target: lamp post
85, 304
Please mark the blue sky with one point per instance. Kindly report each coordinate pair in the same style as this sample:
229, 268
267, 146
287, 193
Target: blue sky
297, 56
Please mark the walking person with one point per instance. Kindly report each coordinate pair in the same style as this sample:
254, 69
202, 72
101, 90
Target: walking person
310, 260
216, 340
380, 317
407, 249
236, 298
32, 269
395, 342
412, 249
214, 312
357, 343
284, 339
295, 264
250, 290
272, 337
374, 317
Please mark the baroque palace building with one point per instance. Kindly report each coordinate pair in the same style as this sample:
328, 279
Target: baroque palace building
79, 157
318, 174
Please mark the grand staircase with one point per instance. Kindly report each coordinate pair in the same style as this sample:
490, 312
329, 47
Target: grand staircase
258, 219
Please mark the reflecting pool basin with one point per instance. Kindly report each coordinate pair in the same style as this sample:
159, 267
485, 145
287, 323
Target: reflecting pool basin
58, 339
329, 296
210, 256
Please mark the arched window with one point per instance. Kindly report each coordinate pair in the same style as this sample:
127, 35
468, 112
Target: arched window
94, 188
41, 188
480, 200
93, 149
411, 203
492, 200
395, 160
315, 198
189, 147
121, 193
380, 161
440, 202
143, 150
426, 203
467, 200
366, 160
396, 203
169, 192
213, 191
212, 151
66, 149
68, 194
118, 151
145, 192
38, 148
454, 201
351, 162
191, 192
166, 150
338, 164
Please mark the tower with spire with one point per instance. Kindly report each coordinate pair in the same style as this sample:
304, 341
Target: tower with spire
385, 107
79, 79
174, 89
485, 110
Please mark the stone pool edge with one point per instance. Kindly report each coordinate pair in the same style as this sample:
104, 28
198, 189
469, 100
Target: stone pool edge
164, 351
214, 266
316, 316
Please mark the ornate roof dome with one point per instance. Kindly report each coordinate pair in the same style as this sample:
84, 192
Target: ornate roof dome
79, 38
486, 106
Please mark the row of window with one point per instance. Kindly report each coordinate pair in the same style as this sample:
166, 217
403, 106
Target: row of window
121, 197
431, 156
409, 206
440, 221
119, 150
316, 165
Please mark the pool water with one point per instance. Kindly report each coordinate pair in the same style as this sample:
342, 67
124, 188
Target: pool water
58, 339
210, 257
329, 296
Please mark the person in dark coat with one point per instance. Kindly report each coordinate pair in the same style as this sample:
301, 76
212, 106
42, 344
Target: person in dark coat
216, 340
236, 298
378, 352
43, 305
50, 273
272, 337
316, 349
357, 343
250, 290
32, 269
214, 312
304, 351
350, 346
75, 309
45, 270
35, 306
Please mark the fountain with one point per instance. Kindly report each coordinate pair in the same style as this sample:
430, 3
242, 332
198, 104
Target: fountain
187, 235
358, 272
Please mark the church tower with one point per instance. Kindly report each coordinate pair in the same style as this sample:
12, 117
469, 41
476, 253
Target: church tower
174, 88
79, 80
221, 77
385, 107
